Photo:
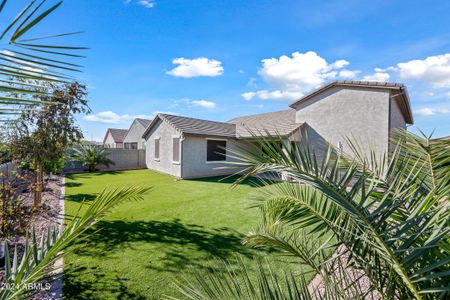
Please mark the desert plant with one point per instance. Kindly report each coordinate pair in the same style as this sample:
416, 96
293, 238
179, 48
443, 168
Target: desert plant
389, 216
91, 156
39, 257
13, 217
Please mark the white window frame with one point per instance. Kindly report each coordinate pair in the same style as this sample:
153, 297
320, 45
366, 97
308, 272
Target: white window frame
216, 161
179, 149
159, 148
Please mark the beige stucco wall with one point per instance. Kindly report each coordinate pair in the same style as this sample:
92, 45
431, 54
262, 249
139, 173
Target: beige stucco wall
165, 132
125, 159
109, 142
134, 134
396, 117
194, 164
361, 114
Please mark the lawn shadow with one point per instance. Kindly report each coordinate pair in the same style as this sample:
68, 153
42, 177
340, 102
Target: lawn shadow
86, 198
72, 184
87, 175
183, 244
252, 181
76, 285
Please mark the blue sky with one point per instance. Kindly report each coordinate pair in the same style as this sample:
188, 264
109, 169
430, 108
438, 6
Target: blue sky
221, 59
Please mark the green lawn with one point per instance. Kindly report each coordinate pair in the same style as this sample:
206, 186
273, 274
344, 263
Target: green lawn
143, 246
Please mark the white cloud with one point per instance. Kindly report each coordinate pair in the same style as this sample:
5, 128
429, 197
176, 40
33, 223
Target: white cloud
144, 3
290, 77
434, 70
204, 104
347, 74
428, 111
201, 66
379, 75
147, 3
248, 95
110, 117
272, 95
26, 66
189, 103
7, 52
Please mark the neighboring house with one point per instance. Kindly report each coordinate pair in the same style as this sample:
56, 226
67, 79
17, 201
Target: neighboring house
114, 138
367, 112
133, 139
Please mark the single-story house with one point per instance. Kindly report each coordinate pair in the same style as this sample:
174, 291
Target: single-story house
133, 139
114, 138
367, 112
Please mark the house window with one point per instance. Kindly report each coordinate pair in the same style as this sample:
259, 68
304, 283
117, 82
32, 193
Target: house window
131, 146
215, 150
157, 148
176, 149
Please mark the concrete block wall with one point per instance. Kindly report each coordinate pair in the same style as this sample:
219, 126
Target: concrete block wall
124, 159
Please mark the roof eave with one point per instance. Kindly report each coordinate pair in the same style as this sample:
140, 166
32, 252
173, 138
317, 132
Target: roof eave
152, 123
409, 116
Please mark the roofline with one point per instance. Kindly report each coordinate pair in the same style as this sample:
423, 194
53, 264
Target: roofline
135, 120
106, 134
152, 123
141, 119
109, 129
209, 134
161, 116
260, 114
364, 84
287, 135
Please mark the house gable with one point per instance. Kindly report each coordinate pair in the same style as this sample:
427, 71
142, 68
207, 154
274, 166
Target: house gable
164, 133
135, 133
338, 113
397, 92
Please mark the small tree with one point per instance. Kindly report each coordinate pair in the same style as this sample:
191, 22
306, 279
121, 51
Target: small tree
91, 156
43, 133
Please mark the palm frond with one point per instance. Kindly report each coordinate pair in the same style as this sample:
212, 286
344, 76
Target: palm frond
237, 281
34, 62
391, 213
39, 257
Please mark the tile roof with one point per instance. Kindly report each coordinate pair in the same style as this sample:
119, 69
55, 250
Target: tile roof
144, 122
280, 122
198, 126
117, 134
274, 123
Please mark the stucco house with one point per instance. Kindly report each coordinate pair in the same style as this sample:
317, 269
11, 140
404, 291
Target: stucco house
133, 138
365, 111
114, 138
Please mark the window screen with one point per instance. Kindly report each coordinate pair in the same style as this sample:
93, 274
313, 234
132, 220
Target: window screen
216, 150
156, 148
176, 149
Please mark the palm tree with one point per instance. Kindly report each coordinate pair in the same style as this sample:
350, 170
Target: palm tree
27, 64
39, 257
388, 218
91, 156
